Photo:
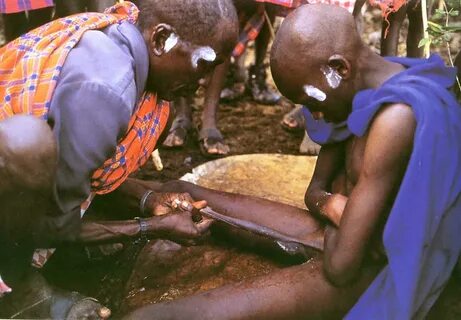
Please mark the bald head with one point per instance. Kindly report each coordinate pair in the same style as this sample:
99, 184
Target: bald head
314, 58
28, 157
316, 32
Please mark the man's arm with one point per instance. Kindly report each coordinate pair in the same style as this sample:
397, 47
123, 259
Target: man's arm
387, 152
318, 197
177, 226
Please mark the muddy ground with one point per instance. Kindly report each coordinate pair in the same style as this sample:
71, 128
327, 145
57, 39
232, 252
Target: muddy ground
247, 128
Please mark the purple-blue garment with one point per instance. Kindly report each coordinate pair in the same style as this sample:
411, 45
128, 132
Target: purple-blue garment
421, 236
99, 86
323, 132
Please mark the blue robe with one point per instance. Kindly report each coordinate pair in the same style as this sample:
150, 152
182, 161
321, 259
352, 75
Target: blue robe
421, 236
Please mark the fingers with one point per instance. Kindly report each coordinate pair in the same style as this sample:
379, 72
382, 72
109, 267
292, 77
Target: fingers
188, 205
199, 228
204, 225
175, 201
178, 200
185, 197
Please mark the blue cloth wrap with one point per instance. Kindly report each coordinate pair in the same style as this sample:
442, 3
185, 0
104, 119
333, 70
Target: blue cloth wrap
421, 236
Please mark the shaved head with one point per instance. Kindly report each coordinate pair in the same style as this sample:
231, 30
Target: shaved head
314, 57
318, 31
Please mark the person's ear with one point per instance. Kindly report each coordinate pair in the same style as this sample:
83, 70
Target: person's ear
159, 37
341, 65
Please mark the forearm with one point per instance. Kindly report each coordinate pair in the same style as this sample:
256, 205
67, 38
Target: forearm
108, 231
330, 163
339, 272
126, 199
112, 231
282, 217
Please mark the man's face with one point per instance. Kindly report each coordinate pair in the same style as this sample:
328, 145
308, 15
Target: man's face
177, 66
320, 88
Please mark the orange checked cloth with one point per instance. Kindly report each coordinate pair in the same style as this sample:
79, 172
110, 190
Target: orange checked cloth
29, 70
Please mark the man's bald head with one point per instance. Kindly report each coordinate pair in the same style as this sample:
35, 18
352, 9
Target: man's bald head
319, 30
316, 47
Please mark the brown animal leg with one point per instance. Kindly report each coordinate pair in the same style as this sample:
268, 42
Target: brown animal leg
389, 44
415, 32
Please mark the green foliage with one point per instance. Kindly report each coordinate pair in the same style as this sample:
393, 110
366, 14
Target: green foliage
439, 28
456, 4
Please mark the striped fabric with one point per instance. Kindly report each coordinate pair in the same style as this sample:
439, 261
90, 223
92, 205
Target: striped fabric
256, 22
249, 33
14, 6
29, 70
134, 150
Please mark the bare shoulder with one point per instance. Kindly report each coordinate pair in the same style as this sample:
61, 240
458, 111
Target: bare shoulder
390, 139
396, 118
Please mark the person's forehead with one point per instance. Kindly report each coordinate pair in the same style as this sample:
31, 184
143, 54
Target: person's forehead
219, 45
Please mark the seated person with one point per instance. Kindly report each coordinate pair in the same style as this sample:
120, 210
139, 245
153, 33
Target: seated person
81, 110
388, 182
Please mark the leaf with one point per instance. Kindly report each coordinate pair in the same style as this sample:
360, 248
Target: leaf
437, 16
424, 41
435, 27
447, 37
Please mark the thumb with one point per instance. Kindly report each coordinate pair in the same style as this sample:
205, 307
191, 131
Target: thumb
204, 225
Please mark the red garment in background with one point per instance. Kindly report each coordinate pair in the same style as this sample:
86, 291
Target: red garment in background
14, 6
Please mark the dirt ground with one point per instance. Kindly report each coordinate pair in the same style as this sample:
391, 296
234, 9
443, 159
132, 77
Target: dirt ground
247, 128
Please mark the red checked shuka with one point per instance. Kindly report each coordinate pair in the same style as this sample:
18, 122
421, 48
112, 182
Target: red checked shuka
29, 70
